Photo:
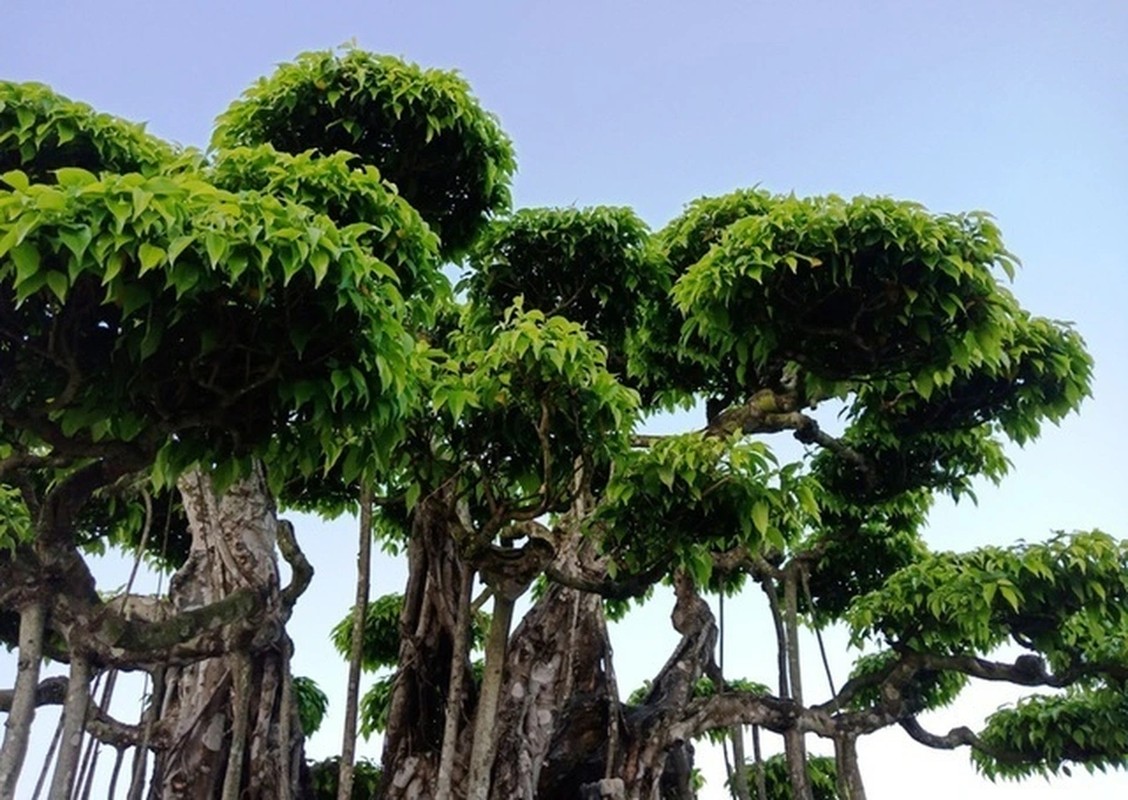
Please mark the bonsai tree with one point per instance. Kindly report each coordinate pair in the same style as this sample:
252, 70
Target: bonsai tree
209, 335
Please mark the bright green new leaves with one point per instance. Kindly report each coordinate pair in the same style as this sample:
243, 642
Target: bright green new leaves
686, 497
348, 194
858, 289
523, 402
1067, 599
421, 128
151, 306
1040, 734
590, 265
41, 131
15, 524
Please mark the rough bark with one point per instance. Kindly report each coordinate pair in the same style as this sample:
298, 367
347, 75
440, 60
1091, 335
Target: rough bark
17, 728
659, 756
360, 613
850, 786
416, 717
228, 707
74, 722
553, 718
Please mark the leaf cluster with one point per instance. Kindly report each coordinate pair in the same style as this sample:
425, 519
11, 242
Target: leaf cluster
421, 128
1066, 598
1040, 734
41, 131
592, 265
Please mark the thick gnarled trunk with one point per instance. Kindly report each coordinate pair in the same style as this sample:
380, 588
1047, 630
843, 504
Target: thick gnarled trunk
557, 699
428, 624
228, 719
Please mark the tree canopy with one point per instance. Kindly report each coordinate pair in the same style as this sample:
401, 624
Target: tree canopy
273, 322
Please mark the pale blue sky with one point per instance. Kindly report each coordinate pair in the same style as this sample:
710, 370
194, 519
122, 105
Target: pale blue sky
1019, 108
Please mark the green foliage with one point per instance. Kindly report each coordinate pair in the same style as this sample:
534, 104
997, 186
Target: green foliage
861, 289
421, 129
381, 632
312, 704
821, 771
153, 305
590, 265
927, 691
685, 497
859, 546
348, 194
1067, 599
521, 404
1041, 734
15, 524
324, 779
41, 131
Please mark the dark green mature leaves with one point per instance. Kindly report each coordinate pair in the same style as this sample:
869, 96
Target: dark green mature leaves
590, 265
138, 307
821, 771
421, 128
41, 131
382, 634
312, 704
859, 546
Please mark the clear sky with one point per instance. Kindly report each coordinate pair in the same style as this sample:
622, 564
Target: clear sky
1016, 107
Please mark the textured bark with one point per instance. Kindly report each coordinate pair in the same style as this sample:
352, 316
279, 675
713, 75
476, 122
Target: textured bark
553, 718
74, 721
416, 717
240, 695
17, 728
485, 718
850, 786
453, 724
360, 613
659, 757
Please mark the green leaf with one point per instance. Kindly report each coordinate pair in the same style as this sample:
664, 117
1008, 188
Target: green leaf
216, 246
760, 516
15, 178
26, 256
151, 256
74, 176
58, 284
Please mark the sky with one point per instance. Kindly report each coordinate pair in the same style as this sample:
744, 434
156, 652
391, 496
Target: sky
1016, 107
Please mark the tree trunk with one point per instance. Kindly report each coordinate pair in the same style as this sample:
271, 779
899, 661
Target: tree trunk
850, 786
554, 730
360, 613
74, 723
795, 748
428, 624
229, 709
17, 728
485, 719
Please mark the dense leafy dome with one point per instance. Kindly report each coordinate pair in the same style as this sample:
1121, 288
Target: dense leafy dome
41, 131
420, 128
